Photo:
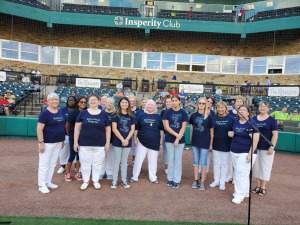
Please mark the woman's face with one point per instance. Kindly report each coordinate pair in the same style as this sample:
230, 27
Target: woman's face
103, 100
238, 103
244, 111
53, 102
71, 102
175, 102
109, 105
144, 103
82, 103
168, 103
93, 101
202, 104
150, 107
124, 104
132, 102
221, 109
263, 109
210, 103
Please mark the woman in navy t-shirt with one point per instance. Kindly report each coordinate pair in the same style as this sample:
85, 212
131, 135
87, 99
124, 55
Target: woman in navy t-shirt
147, 138
91, 138
123, 125
241, 153
51, 136
201, 139
262, 168
239, 100
109, 157
222, 123
175, 120
81, 105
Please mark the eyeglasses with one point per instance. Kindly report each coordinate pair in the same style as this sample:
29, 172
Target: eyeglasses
82, 102
295, 112
209, 102
201, 103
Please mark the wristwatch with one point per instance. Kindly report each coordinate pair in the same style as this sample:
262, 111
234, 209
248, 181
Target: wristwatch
272, 147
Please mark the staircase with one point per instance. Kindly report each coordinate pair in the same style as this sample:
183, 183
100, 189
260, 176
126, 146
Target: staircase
33, 107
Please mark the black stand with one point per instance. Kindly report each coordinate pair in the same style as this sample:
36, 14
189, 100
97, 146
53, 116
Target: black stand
250, 177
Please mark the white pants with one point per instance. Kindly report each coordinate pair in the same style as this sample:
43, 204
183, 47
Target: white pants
91, 158
220, 165
47, 162
108, 162
208, 162
64, 153
140, 154
230, 174
241, 174
263, 165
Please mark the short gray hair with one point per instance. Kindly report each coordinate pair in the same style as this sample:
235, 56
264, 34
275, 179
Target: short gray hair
52, 95
155, 106
265, 103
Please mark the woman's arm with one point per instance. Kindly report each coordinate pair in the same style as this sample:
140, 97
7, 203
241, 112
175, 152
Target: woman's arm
135, 138
132, 130
77, 130
211, 138
255, 142
182, 130
68, 128
161, 137
273, 141
191, 133
40, 135
168, 129
116, 132
107, 134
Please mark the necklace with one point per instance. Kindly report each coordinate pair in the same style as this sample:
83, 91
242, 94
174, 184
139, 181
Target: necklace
151, 119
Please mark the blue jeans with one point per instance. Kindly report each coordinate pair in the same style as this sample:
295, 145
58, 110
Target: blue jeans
174, 161
165, 153
199, 154
120, 156
73, 154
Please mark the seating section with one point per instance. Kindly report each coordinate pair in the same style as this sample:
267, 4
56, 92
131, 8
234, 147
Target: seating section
274, 14
104, 10
18, 90
32, 3
276, 103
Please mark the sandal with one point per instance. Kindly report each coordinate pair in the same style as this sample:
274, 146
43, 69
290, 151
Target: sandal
256, 190
262, 192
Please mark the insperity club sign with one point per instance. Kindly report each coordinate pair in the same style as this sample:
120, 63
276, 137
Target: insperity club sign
146, 23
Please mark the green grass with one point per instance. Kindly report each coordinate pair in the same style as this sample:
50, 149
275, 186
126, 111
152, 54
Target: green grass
14, 220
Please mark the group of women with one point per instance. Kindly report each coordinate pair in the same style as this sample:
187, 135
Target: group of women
105, 137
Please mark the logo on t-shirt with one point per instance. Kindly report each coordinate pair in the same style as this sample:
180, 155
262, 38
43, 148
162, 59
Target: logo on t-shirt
58, 119
124, 121
199, 122
240, 129
175, 118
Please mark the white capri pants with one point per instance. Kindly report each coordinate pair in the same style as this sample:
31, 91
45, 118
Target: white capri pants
263, 165
64, 153
47, 163
241, 174
220, 165
141, 152
208, 162
91, 159
108, 162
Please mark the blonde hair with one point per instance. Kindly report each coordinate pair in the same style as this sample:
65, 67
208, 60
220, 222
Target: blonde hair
221, 103
206, 110
240, 98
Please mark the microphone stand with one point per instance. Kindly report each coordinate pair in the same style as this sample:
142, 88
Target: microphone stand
252, 129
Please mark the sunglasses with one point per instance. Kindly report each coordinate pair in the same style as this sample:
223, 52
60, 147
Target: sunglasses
295, 112
201, 103
82, 102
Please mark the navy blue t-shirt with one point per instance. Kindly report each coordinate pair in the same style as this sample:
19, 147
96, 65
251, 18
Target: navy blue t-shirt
222, 125
54, 130
72, 117
140, 111
201, 130
100, 107
124, 123
109, 117
92, 128
212, 112
149, 127
175, 118
232, 114
265, 127
241, 141
65, 112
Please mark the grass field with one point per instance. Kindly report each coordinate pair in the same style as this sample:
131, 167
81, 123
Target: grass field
72, 221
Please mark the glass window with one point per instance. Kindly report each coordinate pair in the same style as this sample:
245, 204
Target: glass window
244, 66
29, 56
137, 60
213, 63
228, 64
127, 59
292, 64
106, 58
168, 57
259, 65
198, 58
153, 56
214, 68
182, 67
75, 56
213, 59
153, 65
116, 59
183, 58
47, 55
10, 49
85, 57
10, 54
95, 57
13, 45
29, 48
64, 54
275, 62
168, 65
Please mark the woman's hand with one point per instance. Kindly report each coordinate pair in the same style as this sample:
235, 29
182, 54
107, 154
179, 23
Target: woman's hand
249, 158
125, 143
135, 142
210, 148
41, 147
176, 142
62, 145
230, 134
270, 151
76, 147
106, 147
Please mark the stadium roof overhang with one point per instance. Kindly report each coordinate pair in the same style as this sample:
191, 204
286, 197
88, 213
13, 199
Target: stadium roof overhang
148, 24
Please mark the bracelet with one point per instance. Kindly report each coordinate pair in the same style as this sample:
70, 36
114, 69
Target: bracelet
41, 142
272, 147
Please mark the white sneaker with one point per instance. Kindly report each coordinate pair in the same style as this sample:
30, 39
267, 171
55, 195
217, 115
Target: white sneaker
166, 171
50, 185
97, 185
236, 200
214, 184
222, 187
228, 180
61, 170
44, 190
84, 186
